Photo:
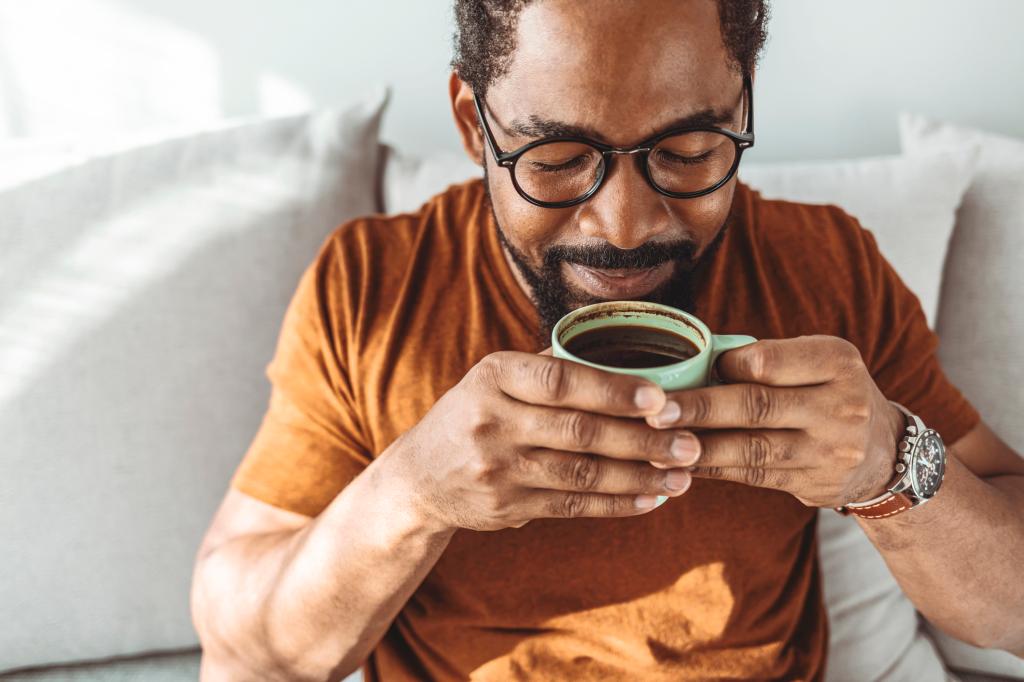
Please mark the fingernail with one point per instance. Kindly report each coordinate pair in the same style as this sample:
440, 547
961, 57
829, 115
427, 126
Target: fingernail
686, 448
668, 414
677, 480
646, 501
647, 397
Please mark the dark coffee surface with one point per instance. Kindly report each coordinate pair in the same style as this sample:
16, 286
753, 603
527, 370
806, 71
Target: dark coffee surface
631, 346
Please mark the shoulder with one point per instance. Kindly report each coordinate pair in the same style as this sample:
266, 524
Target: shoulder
379, 244
369, 265
811, 237
821, 231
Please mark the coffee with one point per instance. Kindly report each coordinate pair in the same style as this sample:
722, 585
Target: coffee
631, 346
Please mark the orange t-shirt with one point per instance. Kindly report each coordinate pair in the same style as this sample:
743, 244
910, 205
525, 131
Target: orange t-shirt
721, 582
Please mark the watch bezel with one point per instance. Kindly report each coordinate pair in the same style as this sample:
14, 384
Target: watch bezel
917, 456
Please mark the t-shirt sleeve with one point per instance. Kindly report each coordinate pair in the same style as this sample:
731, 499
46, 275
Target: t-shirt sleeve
902, 352
309, 445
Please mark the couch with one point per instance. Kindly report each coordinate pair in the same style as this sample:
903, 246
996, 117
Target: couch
140, 297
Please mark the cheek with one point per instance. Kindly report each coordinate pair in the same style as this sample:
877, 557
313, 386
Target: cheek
530, 228
705, 215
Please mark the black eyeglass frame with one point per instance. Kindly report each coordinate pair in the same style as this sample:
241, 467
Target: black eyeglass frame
508, 160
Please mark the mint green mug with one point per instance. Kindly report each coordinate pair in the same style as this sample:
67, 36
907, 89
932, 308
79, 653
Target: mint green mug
689, 373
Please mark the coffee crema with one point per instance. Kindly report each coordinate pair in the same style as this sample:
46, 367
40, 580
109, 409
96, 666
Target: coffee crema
631, 346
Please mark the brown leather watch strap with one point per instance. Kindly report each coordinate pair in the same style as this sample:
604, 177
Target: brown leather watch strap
892, 503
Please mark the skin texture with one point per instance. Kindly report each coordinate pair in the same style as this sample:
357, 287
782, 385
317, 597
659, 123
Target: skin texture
268, 584
622, 89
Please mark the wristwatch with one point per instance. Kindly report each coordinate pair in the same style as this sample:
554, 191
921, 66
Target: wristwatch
920, 466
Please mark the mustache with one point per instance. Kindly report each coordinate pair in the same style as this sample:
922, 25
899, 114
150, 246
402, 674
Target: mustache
608, 257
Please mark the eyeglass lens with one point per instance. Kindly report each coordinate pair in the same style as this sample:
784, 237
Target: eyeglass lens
563, 171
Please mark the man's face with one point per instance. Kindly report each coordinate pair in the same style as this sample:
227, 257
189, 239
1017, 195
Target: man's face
618, 72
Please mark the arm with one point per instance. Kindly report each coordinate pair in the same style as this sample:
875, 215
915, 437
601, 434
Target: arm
520, 437
805, 416
959, 556
269, 584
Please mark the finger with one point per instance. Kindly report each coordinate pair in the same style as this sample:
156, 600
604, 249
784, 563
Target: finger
587, 473
752, 449
617, 437
544, 380
562, 505
546, 351
800, 361
739, 406
777, 479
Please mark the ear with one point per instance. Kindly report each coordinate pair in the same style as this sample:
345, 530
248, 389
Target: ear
464, 113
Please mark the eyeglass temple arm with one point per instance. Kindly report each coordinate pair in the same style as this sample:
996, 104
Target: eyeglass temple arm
748, 85
488, 135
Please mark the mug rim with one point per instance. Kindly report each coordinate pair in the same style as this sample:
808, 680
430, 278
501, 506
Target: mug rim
675, 314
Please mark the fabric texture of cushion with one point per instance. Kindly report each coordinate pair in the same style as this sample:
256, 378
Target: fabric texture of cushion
981, 313
910, 206
141, 295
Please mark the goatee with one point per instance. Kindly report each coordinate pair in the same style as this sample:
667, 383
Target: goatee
553, 297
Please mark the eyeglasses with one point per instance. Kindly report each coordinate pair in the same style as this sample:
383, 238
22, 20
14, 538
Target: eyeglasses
682, 163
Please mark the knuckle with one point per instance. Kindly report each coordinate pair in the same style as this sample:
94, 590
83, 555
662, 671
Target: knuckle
710, 471
572, 505
490, 366
756, 477
495, 506
656, 444
481, 422
553, 379
758, 452
850, 457
477, 469
616, 392
857, 411
759, 359
848, 354
646, 478
784, 451
528, 467
584, 472
580, 429
699, 406
618, 505
757, 401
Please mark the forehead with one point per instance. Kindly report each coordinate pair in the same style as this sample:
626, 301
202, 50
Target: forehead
624, 68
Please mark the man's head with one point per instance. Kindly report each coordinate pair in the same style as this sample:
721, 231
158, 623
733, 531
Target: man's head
619, 73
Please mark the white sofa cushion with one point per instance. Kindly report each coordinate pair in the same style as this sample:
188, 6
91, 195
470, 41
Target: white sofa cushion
910, 206
141, 296
981, 313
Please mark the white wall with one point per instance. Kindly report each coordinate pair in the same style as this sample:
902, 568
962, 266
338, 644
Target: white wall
833, 79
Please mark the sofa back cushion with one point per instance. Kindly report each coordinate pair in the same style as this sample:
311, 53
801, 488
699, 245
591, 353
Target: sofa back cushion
981, 312
141, 295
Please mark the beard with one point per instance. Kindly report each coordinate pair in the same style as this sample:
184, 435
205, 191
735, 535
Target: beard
554, 298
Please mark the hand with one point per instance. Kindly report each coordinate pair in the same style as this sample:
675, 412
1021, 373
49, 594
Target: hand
526, 436
801, 415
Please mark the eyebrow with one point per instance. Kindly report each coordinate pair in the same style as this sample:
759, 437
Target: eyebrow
539, 127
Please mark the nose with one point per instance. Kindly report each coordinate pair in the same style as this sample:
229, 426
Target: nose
626, 211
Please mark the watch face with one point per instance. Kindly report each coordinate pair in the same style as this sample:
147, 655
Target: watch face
927, 464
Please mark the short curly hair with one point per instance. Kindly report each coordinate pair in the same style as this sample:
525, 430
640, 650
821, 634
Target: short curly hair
485, 36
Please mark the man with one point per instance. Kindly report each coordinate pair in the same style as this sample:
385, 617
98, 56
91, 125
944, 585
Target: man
433, 496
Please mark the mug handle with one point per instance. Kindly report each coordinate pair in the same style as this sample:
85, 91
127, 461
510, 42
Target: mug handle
721, 343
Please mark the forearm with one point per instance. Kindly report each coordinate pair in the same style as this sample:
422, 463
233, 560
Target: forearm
312, 604
958, 557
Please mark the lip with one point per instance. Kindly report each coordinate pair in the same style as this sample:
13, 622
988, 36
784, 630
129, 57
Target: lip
620, 284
